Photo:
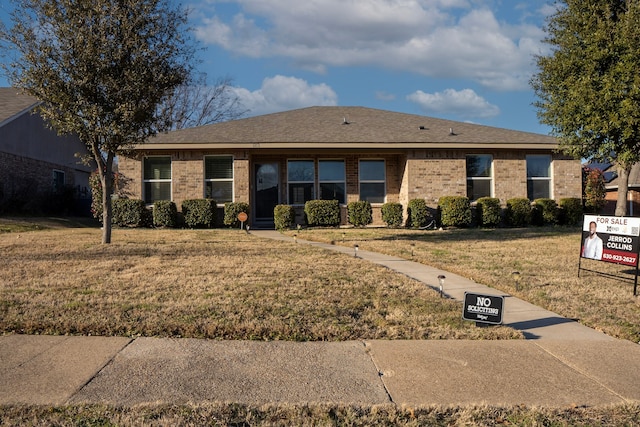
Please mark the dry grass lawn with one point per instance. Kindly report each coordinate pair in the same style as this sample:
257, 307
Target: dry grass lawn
219, 284
547, 259
317, 415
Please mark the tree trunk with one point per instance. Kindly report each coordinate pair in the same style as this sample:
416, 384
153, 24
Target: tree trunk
105, 168
623, 187
106, 178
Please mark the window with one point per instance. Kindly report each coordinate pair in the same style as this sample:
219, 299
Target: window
301, 179
58, 181
157, 179
538, 177
479, 176
372, 181
218, 178
331, 177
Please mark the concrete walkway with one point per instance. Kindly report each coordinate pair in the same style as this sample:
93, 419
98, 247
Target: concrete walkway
561, 364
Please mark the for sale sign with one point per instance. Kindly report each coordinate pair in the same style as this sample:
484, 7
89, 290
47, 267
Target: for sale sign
483, 308
611, 239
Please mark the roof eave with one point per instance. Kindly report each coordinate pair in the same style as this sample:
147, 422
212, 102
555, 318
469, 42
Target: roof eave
343, 145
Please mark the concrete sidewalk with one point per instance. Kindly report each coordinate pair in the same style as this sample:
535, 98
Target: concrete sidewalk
47, 370
561, 364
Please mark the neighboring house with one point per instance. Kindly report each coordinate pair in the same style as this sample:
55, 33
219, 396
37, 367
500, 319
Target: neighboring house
35, 163
633, 194
348, 154
611, 180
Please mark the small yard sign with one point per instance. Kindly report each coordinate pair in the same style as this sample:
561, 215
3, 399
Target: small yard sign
483, 308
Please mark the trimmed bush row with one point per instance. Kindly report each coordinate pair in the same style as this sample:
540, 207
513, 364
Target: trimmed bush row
453, 211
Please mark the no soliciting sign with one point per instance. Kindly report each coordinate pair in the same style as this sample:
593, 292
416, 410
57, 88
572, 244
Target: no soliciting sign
483, 308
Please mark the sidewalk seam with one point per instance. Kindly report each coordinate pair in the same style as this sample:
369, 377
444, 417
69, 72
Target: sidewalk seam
583, 373
367, 350
100, 369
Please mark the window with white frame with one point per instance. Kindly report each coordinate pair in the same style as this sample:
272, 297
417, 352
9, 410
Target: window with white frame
372, 177
538, 177
479, 176
301, 180
218, 178
157, 178
331, 180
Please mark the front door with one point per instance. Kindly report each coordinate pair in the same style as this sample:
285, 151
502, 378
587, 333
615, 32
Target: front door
266, 193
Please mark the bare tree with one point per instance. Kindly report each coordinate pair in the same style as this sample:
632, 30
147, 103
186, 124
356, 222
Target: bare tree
196, 104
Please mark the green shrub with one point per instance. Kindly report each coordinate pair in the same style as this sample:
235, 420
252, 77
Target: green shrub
544, 212
489, 211
455, 211
418, 213
199, 213
129, 213
322, 213
570, 211
231, 211
518, 212
360, 213
165, 214
392, 214
284, 216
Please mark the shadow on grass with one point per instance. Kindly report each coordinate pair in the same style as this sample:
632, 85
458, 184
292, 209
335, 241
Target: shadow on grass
489, 234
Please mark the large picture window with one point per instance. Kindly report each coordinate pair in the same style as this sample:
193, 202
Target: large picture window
538, 177
372, 178
479, 176
218, 178
301, 179
157, 178
331, 178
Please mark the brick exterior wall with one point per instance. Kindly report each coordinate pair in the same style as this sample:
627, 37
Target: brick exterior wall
428, 174
567, 177
187, 175
433, 174
25, 177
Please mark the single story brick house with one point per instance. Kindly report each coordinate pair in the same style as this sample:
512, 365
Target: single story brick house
348, 154
35, 161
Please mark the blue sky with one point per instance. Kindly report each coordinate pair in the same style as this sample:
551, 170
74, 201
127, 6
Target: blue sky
464, 60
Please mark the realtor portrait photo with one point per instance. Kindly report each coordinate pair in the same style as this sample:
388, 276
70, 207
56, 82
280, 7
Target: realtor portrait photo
592, 245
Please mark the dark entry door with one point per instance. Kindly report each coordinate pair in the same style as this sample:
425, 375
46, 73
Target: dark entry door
266, 192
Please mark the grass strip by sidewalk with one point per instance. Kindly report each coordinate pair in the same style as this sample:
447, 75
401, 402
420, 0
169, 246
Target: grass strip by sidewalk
316, 415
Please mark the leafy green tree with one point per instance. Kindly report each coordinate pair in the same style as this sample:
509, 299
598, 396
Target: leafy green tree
101, 68
589, 86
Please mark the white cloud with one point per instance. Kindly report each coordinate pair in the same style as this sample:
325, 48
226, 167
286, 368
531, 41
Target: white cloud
435, 38
464, 103
280, 93
385, 96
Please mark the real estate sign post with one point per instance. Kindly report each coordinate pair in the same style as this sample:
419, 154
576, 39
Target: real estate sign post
611, 239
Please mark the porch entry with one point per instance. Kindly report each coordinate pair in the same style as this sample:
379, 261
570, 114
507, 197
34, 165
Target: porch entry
266, 193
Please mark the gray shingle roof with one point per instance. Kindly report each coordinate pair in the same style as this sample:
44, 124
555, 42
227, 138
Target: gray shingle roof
326, 125
13, 102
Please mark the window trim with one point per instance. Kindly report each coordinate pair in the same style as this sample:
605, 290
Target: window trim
145, 181
343, 181
312, 182
481, 178
369, 181
206, 180
548, 179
